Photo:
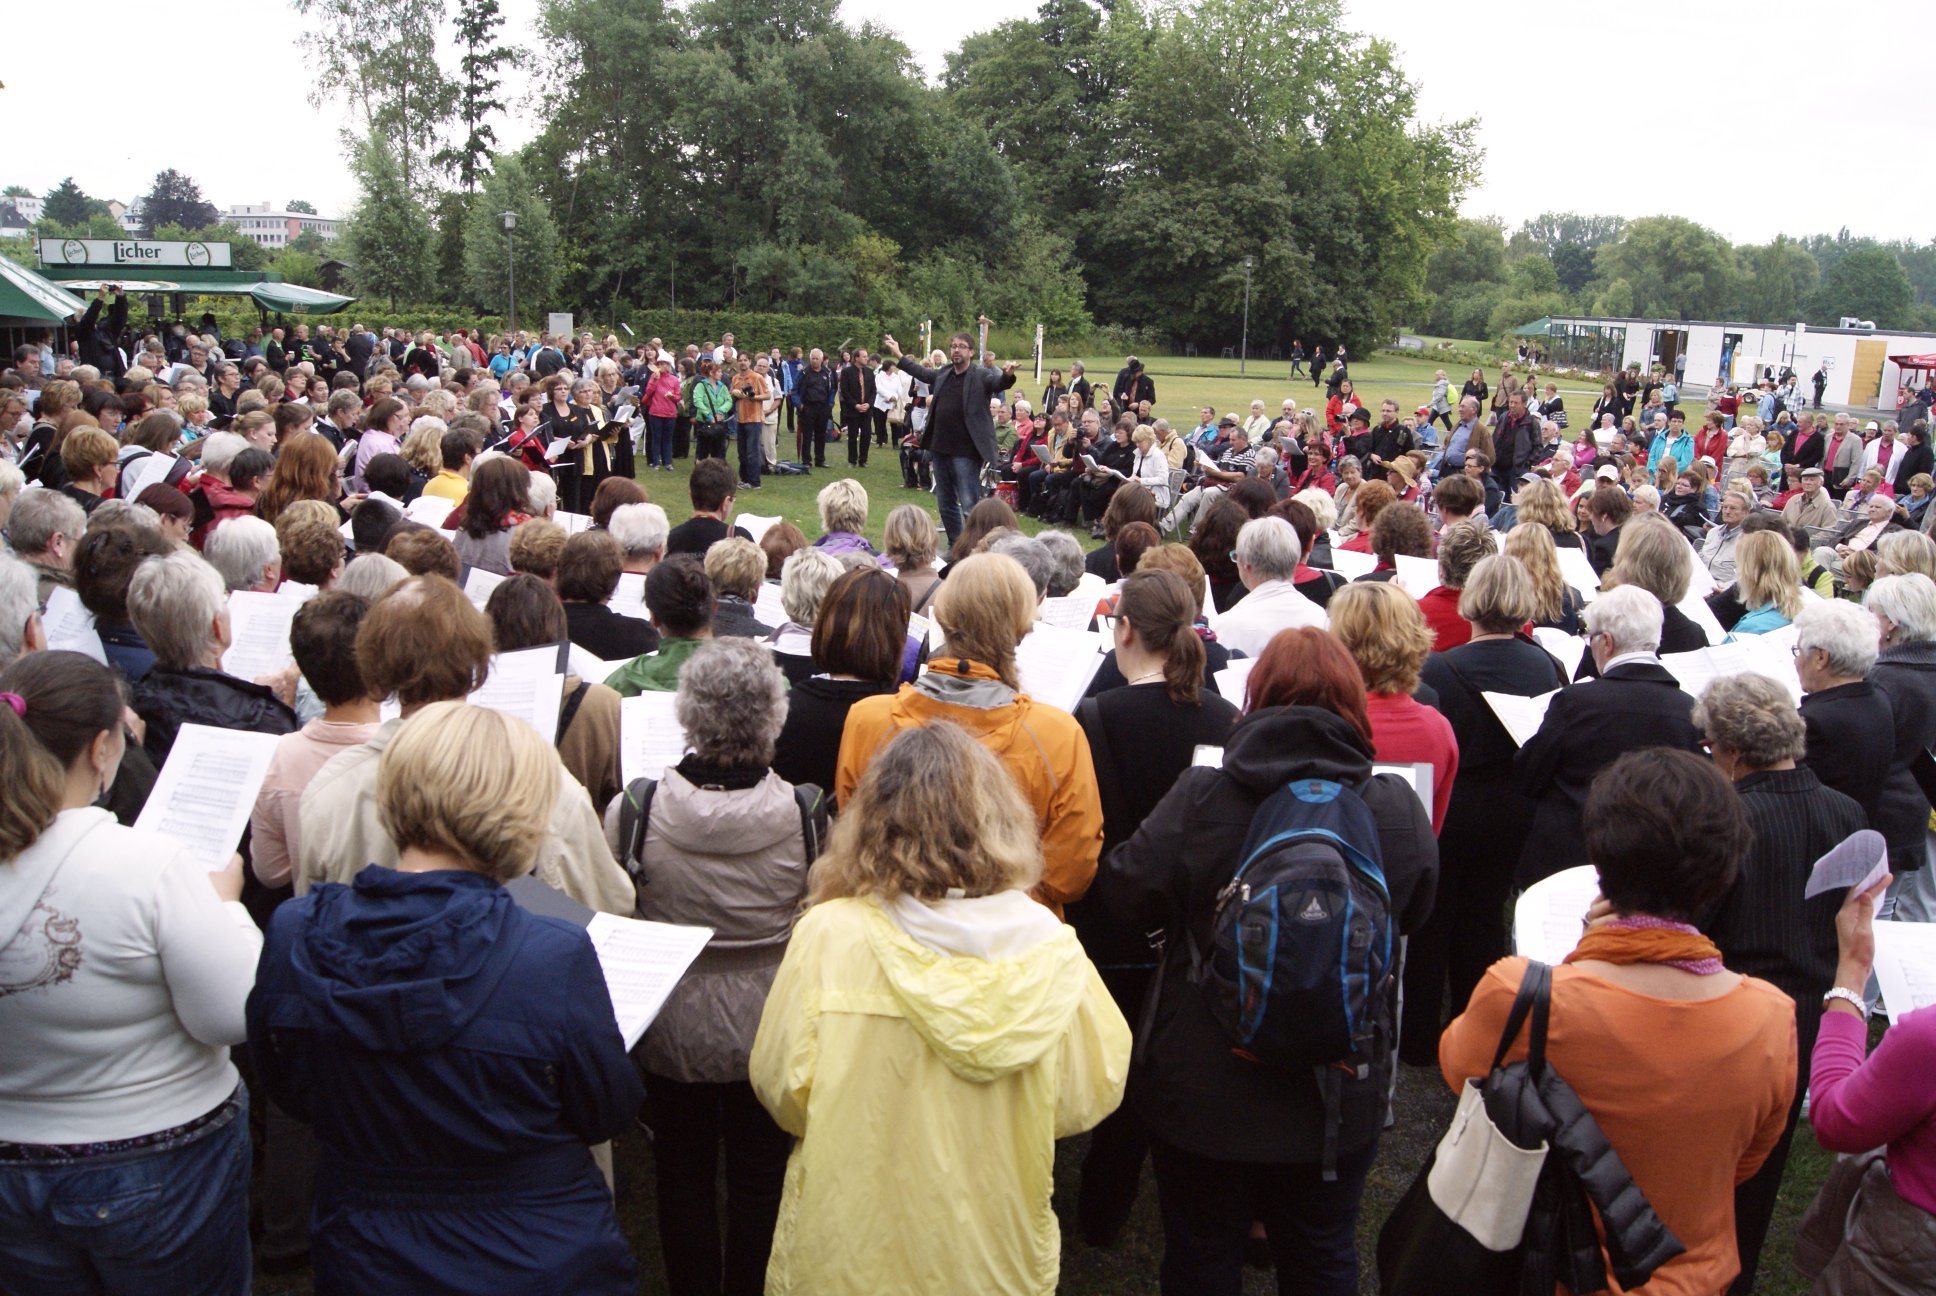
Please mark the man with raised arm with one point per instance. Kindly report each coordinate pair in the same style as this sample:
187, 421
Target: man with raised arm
961, 431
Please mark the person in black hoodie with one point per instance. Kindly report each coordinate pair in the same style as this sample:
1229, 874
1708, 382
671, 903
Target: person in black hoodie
1236, 1141
457, 1054
859, 638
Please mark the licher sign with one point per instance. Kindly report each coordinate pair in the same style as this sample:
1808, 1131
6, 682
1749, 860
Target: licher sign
134, 253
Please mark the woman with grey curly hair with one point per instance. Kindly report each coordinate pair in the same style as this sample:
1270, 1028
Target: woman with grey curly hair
718, 841
1763, 926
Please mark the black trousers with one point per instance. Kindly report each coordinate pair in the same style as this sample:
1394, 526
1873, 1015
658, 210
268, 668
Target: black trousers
917, 467
858, 425
1754, 1200
689, 1123
1112, 1171
880, 426
812, 434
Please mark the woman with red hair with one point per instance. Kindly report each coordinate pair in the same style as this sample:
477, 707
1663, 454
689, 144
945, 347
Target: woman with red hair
1238, 1140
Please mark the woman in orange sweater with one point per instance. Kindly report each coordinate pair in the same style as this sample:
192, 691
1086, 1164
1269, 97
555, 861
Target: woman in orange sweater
1687, 1067
984, 608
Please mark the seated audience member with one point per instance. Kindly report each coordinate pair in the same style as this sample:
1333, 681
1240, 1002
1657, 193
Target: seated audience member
525, 613
368, 576
681, 602
804, 581
492, 1085
588, 575
1874, 522
737, 568
128, 963
310, 548
181, 610
499, 502
984, 609
641, 531
922, 884
43, 529
1236, 1143
1634, 703
781, 541
1763, 925
910, 541
611, 495
711, 489
423, 551
1883, 1237
1266, 558
1461, 546
104, 563
247, 552
1905, 674
423, 642
1689, 1121
536, 547
857, 647
322, 638
1556, 604
720, 841
843, 518
1381, 628
1849, 726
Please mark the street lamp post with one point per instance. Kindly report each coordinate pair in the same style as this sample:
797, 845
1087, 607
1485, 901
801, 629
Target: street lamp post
1243, 359
510, 219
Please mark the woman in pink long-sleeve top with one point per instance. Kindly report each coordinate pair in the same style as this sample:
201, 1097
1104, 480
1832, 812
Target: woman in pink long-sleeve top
1857, 1103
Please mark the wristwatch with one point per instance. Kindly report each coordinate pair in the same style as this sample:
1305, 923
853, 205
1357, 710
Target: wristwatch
1847, 996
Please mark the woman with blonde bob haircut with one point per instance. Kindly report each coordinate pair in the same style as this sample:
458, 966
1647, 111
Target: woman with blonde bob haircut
1555, 603
912, 543
1381, 627
458, 1119
843, 518
1769, 582
999, 1024
984, 609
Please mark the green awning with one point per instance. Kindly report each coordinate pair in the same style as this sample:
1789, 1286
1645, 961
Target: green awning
28, 298
293, 299
1538, 328
268, 291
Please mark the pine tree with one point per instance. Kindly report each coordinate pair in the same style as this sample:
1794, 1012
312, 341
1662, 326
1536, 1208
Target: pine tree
480, 58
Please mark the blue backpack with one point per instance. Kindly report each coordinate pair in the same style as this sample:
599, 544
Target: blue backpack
1300, 957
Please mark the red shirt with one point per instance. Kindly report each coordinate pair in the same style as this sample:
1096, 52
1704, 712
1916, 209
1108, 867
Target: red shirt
1405, 732
1440, 607
1711, 446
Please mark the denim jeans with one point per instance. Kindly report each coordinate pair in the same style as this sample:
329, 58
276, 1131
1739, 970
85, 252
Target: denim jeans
750, 451
170, 1218
1208, 1207
658, 440
957, 489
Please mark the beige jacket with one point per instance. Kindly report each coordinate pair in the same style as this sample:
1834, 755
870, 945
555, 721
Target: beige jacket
341, 834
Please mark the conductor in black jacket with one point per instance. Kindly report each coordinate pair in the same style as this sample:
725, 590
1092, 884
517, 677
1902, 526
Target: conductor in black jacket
1635, 703
857, 399
961, 428
101, 346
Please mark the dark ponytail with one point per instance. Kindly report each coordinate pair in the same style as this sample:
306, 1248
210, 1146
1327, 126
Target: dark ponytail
52, 705
1159, 607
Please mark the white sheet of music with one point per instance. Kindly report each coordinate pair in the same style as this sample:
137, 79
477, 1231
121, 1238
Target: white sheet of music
70, 626
1416, 576
1576, 569
1905, 966
259, 633
1234, 678
572, 523
1350, 564
1550, 915
478, 585
1418, 774
649, 735
1068, 612
755, 525
629, 598
1569, 649
1055, 665
1522, 716
525, 684
642, 962
206, 790
1695, 608
767, 607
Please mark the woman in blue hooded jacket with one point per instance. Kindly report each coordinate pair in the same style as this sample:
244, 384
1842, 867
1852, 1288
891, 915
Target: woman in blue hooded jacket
457, 1055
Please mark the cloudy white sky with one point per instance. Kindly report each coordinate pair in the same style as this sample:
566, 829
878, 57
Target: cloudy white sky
1782, 116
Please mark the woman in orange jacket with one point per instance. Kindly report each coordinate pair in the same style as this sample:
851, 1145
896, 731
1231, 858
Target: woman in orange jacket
984, 608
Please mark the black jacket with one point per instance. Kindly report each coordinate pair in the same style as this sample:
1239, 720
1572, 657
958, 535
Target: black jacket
1850, 741
100, 346
608, 635
1516, 440
983, 382
1130, 389
1588, 726
816, 386
808, 750
856, 387
1187, 1082
167, 699
1916, 459
1906, 676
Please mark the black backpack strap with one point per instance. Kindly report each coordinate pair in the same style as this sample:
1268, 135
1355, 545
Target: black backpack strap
813, 818
1534, 999
634, 814
1089, 716
569, 712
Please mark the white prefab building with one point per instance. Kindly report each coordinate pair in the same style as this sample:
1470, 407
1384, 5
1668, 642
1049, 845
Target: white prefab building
1856, 360
274, 228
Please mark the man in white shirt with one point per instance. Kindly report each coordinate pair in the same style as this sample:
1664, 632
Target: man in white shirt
1885, 452
1267, 557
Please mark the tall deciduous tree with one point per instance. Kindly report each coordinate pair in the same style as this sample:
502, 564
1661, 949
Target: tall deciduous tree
300, 205
175, 199
488, 252
480, 57
1674, 268
1777, 280
1867, 283
387, 238
380, 55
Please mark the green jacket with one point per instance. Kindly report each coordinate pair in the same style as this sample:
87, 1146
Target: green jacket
711, 401
655, 672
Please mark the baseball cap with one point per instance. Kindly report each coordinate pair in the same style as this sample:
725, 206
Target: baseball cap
1422, 410
1607, 472
1872, 426
1528, 477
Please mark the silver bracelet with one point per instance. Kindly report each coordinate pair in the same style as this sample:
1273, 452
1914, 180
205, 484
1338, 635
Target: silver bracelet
1847, 996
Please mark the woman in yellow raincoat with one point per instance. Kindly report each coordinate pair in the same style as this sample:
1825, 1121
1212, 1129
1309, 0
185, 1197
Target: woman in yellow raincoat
930, 1034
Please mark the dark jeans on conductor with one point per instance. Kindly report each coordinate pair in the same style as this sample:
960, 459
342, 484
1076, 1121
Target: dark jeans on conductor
957, 489
1208, 1207
689, 1123
812, 434
173, 1217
